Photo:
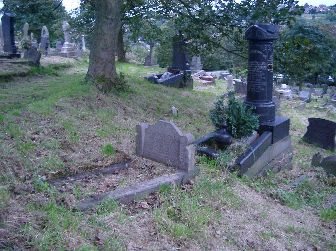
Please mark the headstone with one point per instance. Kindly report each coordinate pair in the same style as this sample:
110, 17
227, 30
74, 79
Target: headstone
260, 70
229, 80
196, 64
33, 56
68, 49
1, 38
321, 132
59, 46
45, 42
8, 21
165, 143
305, 96
316, 160
272, 150
240, 86
83, 43
33, 40
25, 32
329, 165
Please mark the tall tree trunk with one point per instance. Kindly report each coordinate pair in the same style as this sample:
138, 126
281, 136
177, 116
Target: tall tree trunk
102, 69
121, 52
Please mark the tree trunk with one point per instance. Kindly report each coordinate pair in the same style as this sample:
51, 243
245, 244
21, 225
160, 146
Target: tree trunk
149, 57
102, 69
121, 52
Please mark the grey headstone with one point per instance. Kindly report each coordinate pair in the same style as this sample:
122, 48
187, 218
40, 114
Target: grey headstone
33, 56
45, 43
305, 96
196, 64
229, 80
165, 143
25, 32
1, 38
240, 86
59, 46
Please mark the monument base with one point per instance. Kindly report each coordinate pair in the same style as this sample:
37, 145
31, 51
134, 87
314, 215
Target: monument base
279, 128
275, 157
68, 50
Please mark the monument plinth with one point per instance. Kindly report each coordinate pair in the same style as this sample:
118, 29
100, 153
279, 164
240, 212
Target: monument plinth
272, 149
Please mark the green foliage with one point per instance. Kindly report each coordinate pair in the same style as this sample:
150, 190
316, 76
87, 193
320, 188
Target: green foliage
108, 149
308, 46
241, 121
328, 214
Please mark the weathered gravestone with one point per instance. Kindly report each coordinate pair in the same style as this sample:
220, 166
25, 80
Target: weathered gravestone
68, 49
33, 40
58, 46
196, 64
321, 132
8, 21
240, 86
165, 143
229, 80
149, 57
33, 56
45, 42
25, 32
305, 96
272, 150
1, 38
83, 43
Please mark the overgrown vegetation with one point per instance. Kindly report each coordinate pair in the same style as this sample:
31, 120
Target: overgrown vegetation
240, 120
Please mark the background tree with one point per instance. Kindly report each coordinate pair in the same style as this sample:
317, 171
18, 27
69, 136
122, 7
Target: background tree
102, 69
38, 13
305, 51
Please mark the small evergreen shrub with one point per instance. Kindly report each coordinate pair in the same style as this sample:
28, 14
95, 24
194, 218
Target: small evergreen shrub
241, 122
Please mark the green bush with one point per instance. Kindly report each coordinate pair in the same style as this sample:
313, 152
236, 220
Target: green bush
241, 121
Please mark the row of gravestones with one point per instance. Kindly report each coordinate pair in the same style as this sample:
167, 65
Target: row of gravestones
7, 39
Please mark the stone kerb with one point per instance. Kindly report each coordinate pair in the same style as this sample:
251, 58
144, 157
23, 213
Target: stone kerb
165, 143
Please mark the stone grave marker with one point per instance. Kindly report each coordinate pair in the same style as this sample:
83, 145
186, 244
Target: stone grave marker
33, 56
196, 64
68, 49
305, 96
8, 22
229, 80
240, 86
45, 42
165, 143
321, 132
59, 46
83, 43
1, 38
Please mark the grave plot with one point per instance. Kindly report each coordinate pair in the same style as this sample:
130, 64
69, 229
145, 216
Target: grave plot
129, 178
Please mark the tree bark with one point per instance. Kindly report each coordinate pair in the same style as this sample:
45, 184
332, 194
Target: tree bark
121, 52
102, 68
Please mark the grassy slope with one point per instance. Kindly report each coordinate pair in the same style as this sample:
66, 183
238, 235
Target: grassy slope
55, 122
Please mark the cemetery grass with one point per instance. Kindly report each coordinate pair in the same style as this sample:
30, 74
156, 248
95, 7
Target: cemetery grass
54, 124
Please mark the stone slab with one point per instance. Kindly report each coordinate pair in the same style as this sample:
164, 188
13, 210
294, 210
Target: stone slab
254, 152
275, 158
321, 132
165, 143
131, 193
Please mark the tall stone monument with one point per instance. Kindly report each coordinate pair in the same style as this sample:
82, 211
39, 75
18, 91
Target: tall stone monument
45, 42
25, 32
1, 38
8, 21
274, 143
83, 43
68, 49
